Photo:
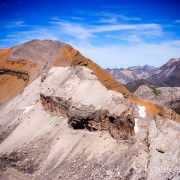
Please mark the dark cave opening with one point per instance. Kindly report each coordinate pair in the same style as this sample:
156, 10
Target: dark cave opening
112, 119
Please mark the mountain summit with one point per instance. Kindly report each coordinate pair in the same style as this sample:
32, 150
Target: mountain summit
31, 59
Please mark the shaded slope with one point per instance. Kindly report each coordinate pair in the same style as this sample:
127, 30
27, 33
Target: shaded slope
169, 75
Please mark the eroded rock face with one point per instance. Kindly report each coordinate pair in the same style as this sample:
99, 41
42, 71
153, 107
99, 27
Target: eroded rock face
76, 92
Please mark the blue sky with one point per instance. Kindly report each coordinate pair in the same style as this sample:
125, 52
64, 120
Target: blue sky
113, 33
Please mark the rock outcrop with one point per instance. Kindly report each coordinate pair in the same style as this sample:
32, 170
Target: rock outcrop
77, 93
19, 75
166, 96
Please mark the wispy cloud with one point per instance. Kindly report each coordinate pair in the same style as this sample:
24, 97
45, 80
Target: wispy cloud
129, 18
133, 38
19, 37
177, 21
63, 29
73, 29
86, 36
115, 18
76, 18
83, 31
107, 28
16, 24
111, 20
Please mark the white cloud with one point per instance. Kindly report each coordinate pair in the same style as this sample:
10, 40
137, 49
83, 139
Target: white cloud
16, 24
135, 52
177, 21
108, 20
85, 32
76, 18
140, 27
129, 18
132, 38
74, 29
112, 16
23, 36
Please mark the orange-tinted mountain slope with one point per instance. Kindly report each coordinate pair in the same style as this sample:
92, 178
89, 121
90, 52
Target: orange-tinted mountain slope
29, 60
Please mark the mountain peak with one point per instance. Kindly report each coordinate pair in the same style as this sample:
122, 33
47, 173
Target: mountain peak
147, 68
143, 68
173, 60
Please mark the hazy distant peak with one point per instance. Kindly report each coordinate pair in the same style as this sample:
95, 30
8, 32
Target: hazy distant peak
173, 60
144, 68
147, 67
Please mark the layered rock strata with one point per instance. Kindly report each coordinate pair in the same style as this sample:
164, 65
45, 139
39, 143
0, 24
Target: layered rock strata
77, 93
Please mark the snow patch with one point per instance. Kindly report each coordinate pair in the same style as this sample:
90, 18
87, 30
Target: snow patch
27, 108
136, 128
142, 111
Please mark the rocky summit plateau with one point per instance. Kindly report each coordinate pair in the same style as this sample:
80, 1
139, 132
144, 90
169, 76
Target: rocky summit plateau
63, 117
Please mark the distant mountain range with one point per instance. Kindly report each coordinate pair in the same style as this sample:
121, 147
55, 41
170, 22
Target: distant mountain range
164, 76
132, 74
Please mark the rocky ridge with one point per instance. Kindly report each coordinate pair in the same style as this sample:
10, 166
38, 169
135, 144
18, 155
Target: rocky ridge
88, 105
57, 150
